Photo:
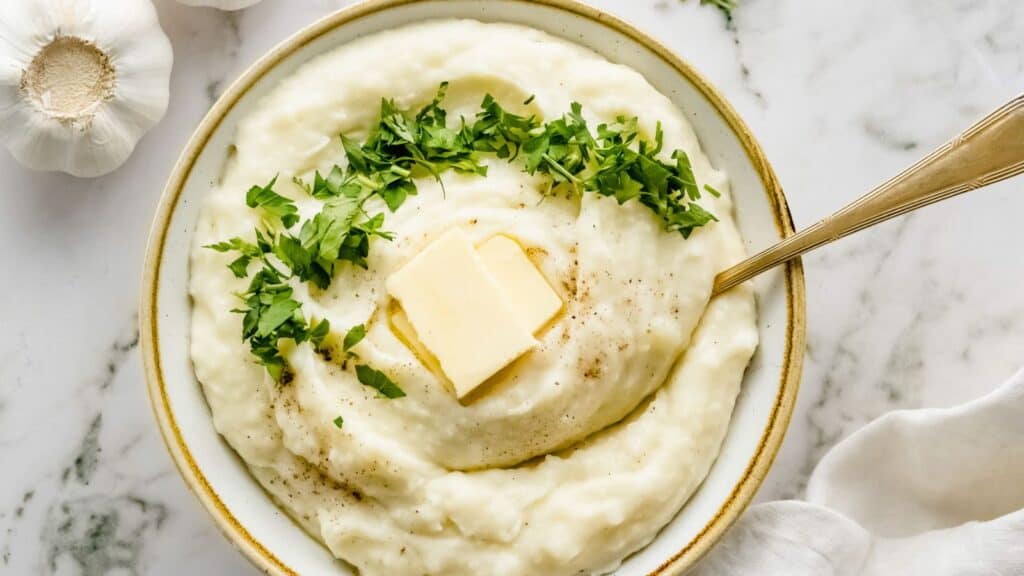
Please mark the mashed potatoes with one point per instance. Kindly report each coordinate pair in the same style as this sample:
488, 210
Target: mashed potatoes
580, 452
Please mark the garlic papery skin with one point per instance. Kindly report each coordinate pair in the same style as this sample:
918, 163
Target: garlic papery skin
80, 81
221, 4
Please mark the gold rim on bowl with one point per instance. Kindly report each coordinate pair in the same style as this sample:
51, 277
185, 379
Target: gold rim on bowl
792, 363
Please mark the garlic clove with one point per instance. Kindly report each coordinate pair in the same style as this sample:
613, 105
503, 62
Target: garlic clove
221, 4
80, 81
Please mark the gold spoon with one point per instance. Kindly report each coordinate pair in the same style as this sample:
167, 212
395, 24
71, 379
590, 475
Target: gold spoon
990, 151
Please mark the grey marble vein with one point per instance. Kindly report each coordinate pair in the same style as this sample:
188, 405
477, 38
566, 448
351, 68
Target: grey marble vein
117, 353
17, 514
879, 132
88, 456
99, 535
230, 34
742, 61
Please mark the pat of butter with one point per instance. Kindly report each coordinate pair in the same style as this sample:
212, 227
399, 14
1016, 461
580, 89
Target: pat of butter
530, 295
459, 312
401, 326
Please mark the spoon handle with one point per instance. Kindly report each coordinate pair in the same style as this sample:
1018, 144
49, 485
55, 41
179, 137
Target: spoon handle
990, 151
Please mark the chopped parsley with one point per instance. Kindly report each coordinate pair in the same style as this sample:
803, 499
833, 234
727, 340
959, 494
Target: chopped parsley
339, 422
712, 191
617, 162
378, 381
269, 312
273, 203
614, 160
354, 336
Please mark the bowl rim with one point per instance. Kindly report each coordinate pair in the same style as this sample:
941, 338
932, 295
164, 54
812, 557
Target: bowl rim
791, 369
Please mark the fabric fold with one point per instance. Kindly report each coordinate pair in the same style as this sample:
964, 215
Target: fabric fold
934, 492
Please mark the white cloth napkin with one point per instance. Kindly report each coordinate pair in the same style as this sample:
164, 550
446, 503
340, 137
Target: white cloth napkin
918, 492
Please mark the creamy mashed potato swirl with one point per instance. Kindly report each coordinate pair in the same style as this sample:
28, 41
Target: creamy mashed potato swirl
581, 451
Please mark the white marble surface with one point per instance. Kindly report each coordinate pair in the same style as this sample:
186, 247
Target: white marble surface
924, 311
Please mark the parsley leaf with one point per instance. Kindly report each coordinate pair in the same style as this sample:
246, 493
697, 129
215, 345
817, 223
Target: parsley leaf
378, 381
339, 422
278, 311
354, 336
238, 244
319, 332
499, 131
275, 204
270, 315
240, 265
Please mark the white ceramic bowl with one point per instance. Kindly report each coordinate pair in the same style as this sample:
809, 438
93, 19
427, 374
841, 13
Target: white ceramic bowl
218, 477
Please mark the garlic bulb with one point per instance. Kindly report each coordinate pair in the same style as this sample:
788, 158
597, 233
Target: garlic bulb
80, 81
222, 4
